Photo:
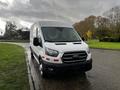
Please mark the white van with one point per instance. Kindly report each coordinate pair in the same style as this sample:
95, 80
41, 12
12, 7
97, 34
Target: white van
57, 47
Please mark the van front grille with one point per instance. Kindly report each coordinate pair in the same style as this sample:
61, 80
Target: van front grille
73, 57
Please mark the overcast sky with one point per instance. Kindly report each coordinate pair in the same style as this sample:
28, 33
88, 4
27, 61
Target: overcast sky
24, 11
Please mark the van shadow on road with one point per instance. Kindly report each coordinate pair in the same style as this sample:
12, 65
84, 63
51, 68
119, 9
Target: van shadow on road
69, 81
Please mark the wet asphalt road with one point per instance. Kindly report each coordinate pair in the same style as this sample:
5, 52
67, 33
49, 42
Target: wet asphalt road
105, 74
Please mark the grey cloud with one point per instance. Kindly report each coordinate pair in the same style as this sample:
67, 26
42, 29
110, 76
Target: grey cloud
3, 4
56, 9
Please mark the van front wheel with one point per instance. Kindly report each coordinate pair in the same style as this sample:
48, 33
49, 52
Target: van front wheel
42, 71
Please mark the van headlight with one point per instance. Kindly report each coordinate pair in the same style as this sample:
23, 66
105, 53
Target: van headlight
51, 52
88, 50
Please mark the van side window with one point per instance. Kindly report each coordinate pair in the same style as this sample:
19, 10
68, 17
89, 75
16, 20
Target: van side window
36, 32
39, 32
38, 36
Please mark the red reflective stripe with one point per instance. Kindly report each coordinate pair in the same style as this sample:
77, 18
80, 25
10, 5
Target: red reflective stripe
47, 58
43, 57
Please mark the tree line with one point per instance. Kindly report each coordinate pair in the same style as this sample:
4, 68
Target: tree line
14, 33
104, 28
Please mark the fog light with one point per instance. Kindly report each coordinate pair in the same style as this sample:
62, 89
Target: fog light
56, 60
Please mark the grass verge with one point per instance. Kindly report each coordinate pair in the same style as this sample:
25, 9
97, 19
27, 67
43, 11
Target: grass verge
16, 41
104, 45
13, 69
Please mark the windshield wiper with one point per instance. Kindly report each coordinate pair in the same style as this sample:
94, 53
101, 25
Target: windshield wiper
49, 41
63, 41
73, 41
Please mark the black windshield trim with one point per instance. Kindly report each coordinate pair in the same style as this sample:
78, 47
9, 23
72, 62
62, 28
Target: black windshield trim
63, 41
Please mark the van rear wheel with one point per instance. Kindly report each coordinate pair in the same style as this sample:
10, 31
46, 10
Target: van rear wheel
42, 71
32, 57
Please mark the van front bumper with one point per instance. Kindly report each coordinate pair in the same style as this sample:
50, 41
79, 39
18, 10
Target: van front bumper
58, 68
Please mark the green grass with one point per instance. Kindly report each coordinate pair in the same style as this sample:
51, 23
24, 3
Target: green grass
104, 45
16, 41
13, 69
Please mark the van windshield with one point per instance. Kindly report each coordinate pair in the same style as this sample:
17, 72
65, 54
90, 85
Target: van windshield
60, 34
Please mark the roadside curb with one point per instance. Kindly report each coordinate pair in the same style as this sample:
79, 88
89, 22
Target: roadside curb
31, 81
105, 49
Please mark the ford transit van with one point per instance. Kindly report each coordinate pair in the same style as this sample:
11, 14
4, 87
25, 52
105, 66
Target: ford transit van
57, 47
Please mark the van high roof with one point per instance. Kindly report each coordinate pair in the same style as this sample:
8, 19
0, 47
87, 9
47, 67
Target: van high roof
54, 24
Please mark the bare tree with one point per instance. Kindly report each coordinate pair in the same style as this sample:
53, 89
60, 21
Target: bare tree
10, 32
114, 17
109, 25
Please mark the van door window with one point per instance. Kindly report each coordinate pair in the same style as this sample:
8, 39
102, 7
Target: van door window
36, 32
39, 37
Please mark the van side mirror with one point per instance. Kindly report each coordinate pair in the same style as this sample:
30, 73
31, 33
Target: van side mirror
83, 38
35, 41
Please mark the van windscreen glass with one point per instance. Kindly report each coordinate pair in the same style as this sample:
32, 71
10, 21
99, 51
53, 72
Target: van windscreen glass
60, 34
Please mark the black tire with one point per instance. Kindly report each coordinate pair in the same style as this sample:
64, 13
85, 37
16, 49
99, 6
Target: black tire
42, 71
32, 57
89, 67
44, 75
